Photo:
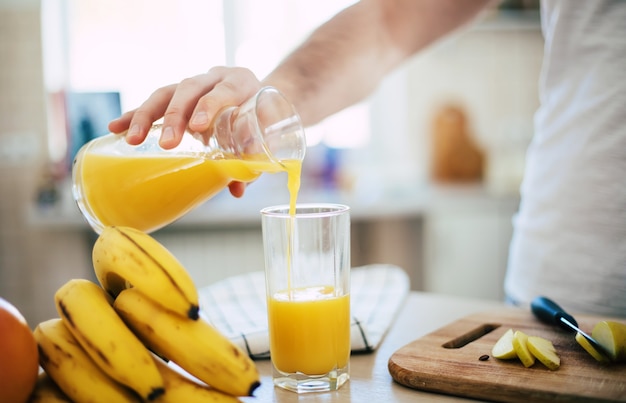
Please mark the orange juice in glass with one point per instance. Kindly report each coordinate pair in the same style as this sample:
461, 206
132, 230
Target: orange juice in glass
307, 266
147, 187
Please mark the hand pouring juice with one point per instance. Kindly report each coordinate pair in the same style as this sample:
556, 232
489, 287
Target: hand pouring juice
147, 187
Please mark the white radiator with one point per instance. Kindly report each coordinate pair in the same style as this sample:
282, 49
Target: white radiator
212, 255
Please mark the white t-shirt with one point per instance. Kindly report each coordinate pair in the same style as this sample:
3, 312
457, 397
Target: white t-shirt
569, 242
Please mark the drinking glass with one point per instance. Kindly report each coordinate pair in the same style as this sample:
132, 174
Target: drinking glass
307, 271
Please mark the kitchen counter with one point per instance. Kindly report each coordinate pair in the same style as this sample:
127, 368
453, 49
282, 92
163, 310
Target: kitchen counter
370, 380
367, 203
427, 229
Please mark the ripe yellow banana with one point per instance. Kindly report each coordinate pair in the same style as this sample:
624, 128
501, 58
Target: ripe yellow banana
195, 346
75, 373
86, 310
125, 257
179, 388
46, 391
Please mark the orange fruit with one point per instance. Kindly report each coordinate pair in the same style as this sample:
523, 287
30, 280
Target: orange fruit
19, 357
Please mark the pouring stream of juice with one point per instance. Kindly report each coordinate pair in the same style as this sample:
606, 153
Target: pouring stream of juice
294, 170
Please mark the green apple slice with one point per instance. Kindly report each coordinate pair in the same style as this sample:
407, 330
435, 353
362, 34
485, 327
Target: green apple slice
520, 341
590, 349
503, 349
612, 336
544, 351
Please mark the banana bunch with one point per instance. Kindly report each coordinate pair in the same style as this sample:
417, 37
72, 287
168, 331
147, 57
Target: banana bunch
214, 359
124, 257
87, 312
67, 363
108, 342
181, 388
46, 391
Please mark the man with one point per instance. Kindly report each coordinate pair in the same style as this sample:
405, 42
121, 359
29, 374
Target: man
570, 234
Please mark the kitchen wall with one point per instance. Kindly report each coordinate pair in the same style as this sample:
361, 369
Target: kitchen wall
491, 71
33, 261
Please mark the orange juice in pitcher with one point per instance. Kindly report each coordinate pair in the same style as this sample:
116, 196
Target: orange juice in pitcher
147, 187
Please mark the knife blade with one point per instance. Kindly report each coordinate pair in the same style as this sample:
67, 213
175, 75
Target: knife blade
550, 312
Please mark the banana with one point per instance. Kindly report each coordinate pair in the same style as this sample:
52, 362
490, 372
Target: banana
86, 310
124, 257
46, 391
179, 388
68, 366
195, 346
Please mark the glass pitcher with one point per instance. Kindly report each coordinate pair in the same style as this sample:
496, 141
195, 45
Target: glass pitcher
147, 187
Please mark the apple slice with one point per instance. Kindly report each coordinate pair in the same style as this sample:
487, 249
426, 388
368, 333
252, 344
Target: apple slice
503, 349
612, 336
544, 351
584, 343
520, 341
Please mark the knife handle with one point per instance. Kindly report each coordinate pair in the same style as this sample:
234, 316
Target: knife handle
550, 312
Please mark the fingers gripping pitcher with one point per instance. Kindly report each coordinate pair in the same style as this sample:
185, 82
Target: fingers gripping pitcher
147, 187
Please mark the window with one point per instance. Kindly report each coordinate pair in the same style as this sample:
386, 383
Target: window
264, 32
134, 47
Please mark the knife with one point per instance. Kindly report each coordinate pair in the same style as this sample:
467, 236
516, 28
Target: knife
550, 312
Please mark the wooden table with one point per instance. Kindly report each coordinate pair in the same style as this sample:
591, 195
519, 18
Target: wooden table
369, 378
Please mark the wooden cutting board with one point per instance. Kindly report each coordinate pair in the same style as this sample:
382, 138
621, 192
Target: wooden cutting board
447, 361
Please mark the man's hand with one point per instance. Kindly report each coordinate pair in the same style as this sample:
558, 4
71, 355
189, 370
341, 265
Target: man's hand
190, 104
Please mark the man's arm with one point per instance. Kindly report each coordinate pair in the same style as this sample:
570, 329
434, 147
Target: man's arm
344, 60
338, 65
